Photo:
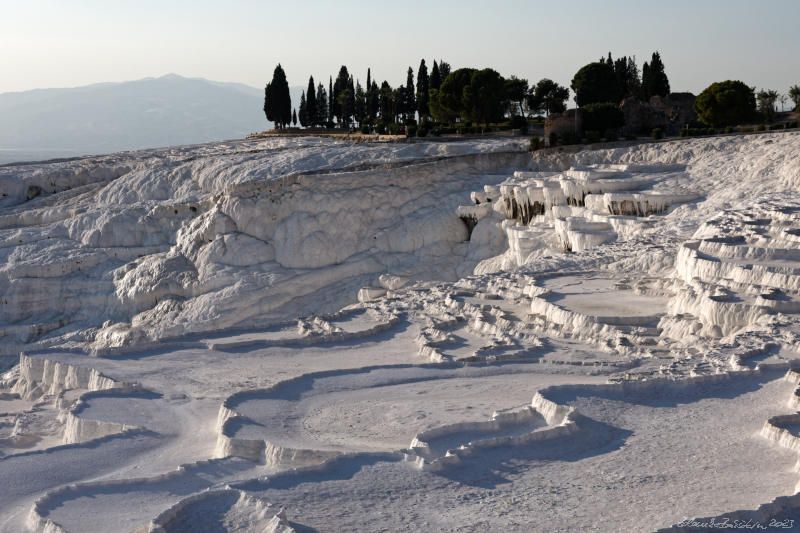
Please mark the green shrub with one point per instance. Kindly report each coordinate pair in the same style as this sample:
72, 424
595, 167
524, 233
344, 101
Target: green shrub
746, 130
519, 123
761, 127
725, 103
381, 128
630, 137
602, 117
552, 139
569, 138
411, 130
684, 132
792, 124
422, 131
611, 135
777, 127
365, 129
394, 128
657, 133
592, 136
536, 143
728, 129
695, 132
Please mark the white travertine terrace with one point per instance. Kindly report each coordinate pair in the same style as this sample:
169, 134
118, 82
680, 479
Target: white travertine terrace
304, 334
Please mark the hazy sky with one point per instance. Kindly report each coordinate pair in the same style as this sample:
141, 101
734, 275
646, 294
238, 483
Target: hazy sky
65, 43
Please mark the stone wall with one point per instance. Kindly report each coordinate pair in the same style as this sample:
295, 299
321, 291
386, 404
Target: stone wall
678, 109
561, 123
670, 113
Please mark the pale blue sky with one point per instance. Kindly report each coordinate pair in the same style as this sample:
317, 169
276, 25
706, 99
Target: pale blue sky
64, 43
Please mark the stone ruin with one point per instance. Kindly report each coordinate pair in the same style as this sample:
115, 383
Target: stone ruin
670, 113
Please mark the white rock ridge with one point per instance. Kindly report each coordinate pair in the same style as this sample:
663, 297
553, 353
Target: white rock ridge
132, 248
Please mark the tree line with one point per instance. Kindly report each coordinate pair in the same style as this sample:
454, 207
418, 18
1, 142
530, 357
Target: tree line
483, 96
439, 95
445, 96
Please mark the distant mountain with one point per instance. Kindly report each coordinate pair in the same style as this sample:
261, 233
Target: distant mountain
108, 117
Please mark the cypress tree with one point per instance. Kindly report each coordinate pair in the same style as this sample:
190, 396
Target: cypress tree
385, 103
423, 85
369, 111
303, 110
398, 102
634, 82
444, 70
330, 99
334, 104
658, 84
311, 103
277, 102
410, 104
620, 66
436, 78
294, 117
360, 109
339, 86
269, 111
627, 75
645, 81
351, 100
322, 104
285, 109
373, 97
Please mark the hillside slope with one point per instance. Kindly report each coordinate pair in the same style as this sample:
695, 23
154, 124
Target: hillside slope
107, 117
